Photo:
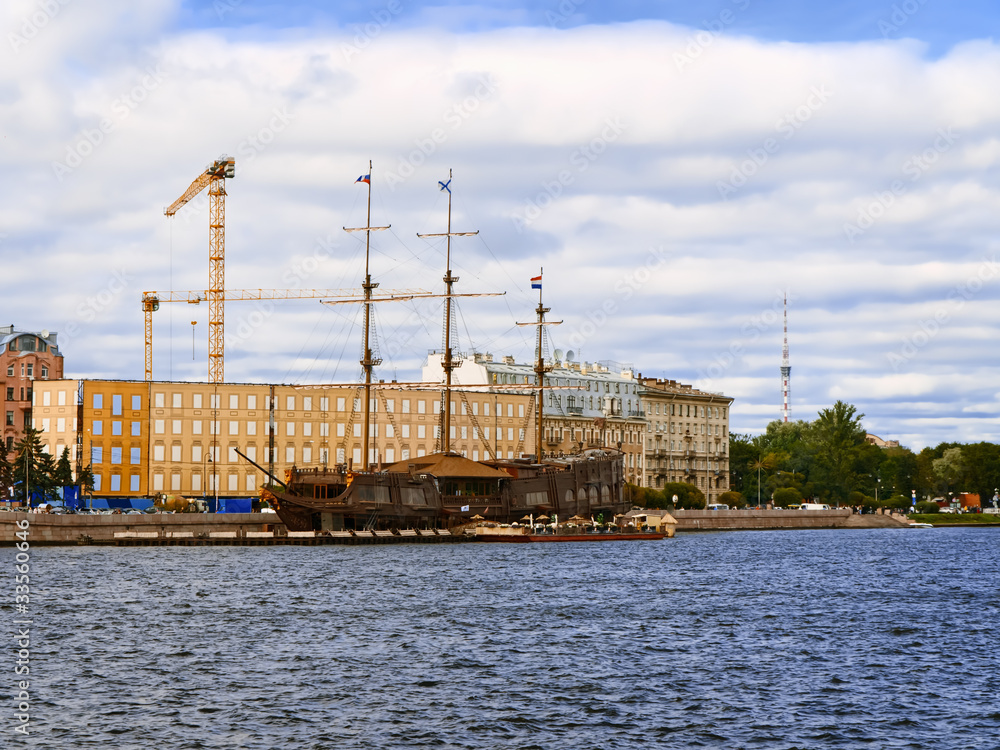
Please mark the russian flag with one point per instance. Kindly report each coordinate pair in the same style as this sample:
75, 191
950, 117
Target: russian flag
536, 282
366, 178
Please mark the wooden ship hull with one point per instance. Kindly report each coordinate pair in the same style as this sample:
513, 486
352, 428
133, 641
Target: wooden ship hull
445, 489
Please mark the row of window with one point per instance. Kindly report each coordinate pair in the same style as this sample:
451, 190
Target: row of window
699, 429
291, 403
28, 370
686, 410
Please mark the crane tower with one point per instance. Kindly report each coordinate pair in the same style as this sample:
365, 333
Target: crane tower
214, 177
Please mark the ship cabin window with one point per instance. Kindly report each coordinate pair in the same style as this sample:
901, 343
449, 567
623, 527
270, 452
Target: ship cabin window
470, 488
324, 491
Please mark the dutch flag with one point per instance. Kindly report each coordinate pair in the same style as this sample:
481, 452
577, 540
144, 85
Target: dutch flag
536, 282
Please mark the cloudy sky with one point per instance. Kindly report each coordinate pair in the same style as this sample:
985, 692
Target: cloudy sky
676, 168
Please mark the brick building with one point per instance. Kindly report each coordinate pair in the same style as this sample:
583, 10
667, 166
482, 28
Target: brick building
25, 358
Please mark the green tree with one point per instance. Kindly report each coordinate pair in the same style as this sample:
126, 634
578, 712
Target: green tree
785, 496
950, 468
33, 467
689, 497
733, 499
838, 441
6, 476
63, 475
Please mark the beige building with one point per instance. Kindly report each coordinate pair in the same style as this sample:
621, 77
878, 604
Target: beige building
141, 438
687, 436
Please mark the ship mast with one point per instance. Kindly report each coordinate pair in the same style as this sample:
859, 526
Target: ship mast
540, 368
368, 362
448, 361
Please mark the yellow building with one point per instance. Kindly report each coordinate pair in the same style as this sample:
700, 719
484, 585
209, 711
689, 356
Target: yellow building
142, 438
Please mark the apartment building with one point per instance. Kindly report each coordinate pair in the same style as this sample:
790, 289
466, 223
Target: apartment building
687, 436
25, 357
142, 438
586, 405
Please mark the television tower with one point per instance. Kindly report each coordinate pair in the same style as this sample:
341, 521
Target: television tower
786, 368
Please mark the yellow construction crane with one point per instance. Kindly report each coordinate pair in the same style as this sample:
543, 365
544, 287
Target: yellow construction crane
214, 177
151, 303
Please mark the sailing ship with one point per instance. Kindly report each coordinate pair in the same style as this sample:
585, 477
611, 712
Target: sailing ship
446, 489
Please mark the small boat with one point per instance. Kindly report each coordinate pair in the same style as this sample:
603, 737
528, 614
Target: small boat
915, 525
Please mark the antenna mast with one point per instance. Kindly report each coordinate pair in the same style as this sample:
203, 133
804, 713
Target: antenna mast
786, 368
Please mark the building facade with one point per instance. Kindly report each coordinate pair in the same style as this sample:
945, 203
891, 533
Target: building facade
687, 436
585, 405
143, 438
26, 357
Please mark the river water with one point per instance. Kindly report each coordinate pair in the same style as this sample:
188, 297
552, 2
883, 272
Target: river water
881, 638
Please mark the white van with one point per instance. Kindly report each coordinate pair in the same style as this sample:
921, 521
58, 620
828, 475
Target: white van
815, 506
719, 506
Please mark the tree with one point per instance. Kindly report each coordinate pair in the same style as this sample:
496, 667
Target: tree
32, 466
838, 440
785, 496
689, 497
63, 475
950, 468
733, 499
6, 476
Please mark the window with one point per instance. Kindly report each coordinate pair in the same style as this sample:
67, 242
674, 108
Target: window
324, 403
406, 430
324, 429
46, 399
307, 403
251, 402
10, 371
340, 431
196, 400
116, 455
307, 454
116, 428
175, 482
196, 453
175, 427
98, 401
290, 428
31, 370
307, 429
520, 410
133, 483
136, 403
96, 454
251, 428
234, 428
96, 427
357, 430
116, 483
234, 401
97, 482
196, 427
176, 400
137, 428
10, 394
160, 426
233, 458
421, 407
290, 403
421, 431
289, 454
510, 410
133, 457
340, 404
158, 399
406, 406
157, 481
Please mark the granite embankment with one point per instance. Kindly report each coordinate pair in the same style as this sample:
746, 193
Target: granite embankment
731, 520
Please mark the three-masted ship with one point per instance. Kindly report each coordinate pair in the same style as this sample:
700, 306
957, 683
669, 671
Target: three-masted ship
446, 489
